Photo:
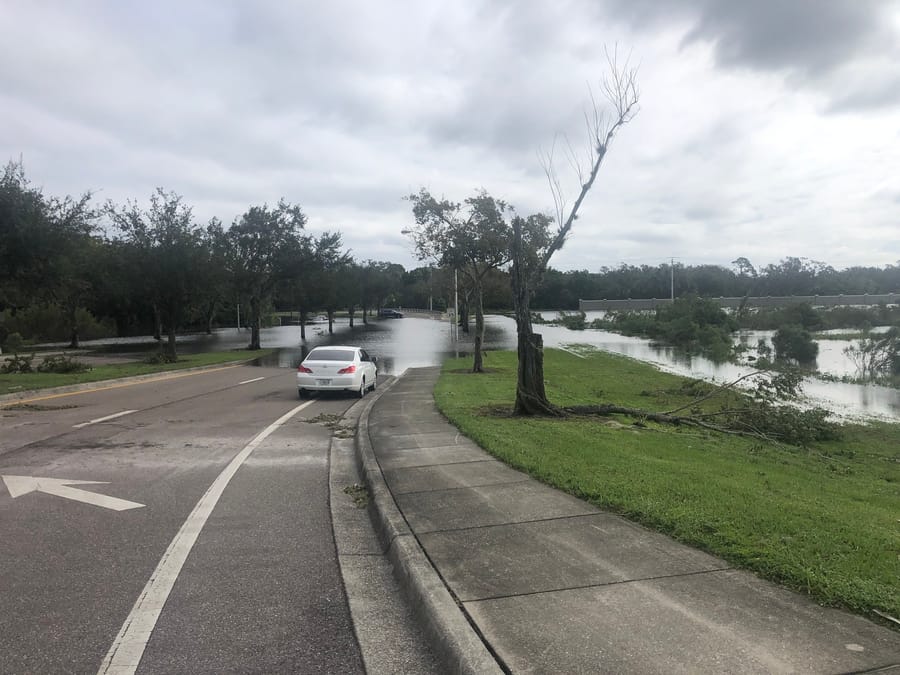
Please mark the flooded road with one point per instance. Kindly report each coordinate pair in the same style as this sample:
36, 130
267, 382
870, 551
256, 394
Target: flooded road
413, 342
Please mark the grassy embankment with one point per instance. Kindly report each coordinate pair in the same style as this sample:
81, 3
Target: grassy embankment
824, 520
10, 384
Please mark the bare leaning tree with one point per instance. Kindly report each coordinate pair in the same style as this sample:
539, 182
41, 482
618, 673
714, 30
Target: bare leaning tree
534, 239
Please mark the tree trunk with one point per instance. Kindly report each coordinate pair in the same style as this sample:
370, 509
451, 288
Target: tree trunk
464, 314
73, 323
531, 396
210, 313
331, 322
352, 311
254, 323
303, 317
171, 349
478, 363
365, 313
157, 323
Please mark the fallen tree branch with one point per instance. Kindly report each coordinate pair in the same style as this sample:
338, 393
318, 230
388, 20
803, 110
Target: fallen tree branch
663, 418
715, 392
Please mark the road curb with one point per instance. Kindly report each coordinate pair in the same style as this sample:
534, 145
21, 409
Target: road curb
100, 384
452, 637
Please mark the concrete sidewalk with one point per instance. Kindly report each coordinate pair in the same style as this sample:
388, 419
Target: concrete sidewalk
511, 574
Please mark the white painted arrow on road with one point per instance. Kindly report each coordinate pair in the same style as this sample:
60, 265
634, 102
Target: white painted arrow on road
21, 485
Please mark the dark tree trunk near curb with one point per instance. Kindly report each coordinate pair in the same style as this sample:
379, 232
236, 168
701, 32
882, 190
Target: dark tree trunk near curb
254, 324
531, 395
74, 341
157, 323
171, 349
464, 313
209, 316
478, 362
303, 317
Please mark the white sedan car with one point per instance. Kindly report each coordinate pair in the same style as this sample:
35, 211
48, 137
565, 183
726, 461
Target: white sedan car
336, 369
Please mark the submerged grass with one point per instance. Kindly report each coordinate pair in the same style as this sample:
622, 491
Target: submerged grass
824, 520
28, 381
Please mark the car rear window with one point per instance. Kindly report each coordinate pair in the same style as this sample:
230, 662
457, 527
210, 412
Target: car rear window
331, 355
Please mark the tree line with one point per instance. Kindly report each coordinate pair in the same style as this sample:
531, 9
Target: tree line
155, 268
791, 276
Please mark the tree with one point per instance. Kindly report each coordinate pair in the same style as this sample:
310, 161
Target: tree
45, 243
877, 355
794, 343
381, 281
213, 269
350, 288
332, 267
260, 247
534, 244
168, 243
474, 239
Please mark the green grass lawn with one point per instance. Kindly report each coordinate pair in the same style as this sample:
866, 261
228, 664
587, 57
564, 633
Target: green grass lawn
824, 520
18, 382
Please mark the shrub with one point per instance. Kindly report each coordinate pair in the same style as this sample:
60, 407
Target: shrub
694, 324
17, 364
573, 320
13, 343
62, 364
160, 357
794, 343
877, 356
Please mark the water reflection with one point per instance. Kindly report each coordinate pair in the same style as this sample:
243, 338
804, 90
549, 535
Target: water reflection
398, 344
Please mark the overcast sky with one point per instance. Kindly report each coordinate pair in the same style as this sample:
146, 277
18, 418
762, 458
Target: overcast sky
767, 128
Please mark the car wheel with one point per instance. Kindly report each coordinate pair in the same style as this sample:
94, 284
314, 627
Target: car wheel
301, 393
362, 388
374, 380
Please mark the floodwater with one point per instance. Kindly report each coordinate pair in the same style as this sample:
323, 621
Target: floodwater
416, 342
851, 400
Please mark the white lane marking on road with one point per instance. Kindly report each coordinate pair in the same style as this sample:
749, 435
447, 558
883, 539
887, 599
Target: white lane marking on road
255, 379
22, 485
104, 419
127, 649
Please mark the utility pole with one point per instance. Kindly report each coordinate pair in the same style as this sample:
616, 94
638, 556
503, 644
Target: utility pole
239, 317
455, 308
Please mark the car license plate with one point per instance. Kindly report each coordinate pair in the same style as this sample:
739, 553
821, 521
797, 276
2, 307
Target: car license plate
323, 383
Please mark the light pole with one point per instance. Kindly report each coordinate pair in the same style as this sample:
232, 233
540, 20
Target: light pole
455, 307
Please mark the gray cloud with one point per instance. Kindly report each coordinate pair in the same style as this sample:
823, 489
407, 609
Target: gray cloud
810, 41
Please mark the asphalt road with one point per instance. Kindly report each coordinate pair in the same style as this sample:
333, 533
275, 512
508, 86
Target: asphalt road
259, 589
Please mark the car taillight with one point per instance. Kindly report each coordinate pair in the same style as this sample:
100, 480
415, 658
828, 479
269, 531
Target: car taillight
303, 369
347, 371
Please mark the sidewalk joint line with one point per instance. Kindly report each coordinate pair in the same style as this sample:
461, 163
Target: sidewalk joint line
431, 466
461, 487
603, 585
426, 466
516, 522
